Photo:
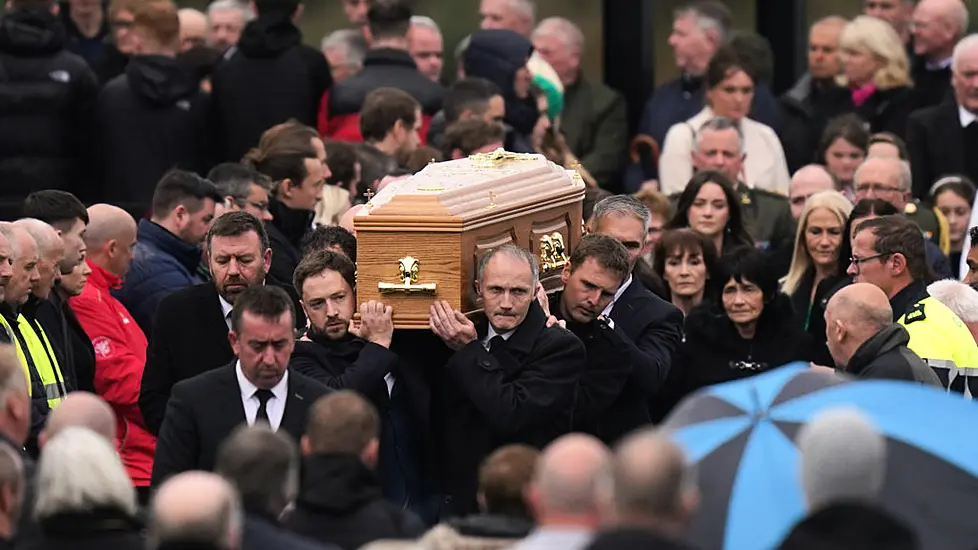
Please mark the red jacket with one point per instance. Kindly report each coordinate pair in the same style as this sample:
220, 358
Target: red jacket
120, 355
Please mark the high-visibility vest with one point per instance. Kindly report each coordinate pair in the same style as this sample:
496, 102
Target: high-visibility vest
35, 352
940, 338
20, 353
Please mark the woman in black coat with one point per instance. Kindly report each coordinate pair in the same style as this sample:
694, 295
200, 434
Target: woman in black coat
748, 328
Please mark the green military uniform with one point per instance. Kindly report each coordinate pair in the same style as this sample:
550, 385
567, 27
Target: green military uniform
767, 217
932, 223
595, 127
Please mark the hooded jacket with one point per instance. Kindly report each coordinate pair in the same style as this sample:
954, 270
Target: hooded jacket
149, 120
497, 55
340, 502
46, 99
478, 532
269, 78
885, 356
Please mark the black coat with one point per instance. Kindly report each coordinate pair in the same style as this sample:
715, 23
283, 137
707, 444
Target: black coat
884, 111
523, 391
714, 352
46, 105
340, 503
935, 141
71, 343
285, 233
810, 314
206, 408
885, 356
190, 337
385, 68
806, 110
654, 330
149, 120
103, 529
269, 78
264, 533
634, 538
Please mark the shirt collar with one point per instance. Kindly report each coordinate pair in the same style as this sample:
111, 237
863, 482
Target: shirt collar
940, 65
280, 391
226, 306
966, 117
492, 332
621, 290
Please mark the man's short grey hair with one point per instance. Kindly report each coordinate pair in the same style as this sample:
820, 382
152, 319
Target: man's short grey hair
720, 124
45, 236
957, 15
904, 177
426, 22
563, 29
350, 42
527, 7
652, 488
218, 522
705, 21
843, 458
80, 471
263, 465
958, 297
622, 205
513, 251
964, 46
228, 5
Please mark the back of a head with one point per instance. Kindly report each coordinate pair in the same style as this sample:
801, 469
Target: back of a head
262, 465
503, 478
468, 94
276, 8
389, 19
652, 480
469, 136
750, 45
382, 109
182, 188
850, 526
342, 422
863, 307
79, 471
159, 22
330, 237
843, 458
82, 410
341, 157
567, 476
959, 297
196, 508
233, 179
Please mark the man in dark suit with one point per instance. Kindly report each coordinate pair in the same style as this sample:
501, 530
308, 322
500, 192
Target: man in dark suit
652, 324
597, 268
942, 139
511, 381
191, 325
264, 468
257, 387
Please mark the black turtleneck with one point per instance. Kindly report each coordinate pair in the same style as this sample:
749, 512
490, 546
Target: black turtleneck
293, 224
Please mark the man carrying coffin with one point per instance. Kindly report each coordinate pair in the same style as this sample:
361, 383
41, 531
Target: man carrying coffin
592, 276
511, 380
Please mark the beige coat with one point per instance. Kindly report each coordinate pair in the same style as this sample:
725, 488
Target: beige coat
764, 168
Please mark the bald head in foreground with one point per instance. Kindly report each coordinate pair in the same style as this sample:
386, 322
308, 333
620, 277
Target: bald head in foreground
564, 486
866, 343
81, 410
196, 508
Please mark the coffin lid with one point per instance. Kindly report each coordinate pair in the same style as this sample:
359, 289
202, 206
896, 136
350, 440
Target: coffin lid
479, 189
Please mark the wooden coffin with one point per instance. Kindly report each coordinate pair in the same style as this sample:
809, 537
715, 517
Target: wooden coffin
420, 239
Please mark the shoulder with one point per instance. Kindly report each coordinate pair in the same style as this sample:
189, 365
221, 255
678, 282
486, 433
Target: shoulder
558, 338
759, 128
928, 114
203, 383
181, 299
303, 383
770, 196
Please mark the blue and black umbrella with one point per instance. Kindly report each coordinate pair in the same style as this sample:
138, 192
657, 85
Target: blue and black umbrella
741, 436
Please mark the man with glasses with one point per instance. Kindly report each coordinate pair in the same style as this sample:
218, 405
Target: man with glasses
889, 252
244, 189
890, 179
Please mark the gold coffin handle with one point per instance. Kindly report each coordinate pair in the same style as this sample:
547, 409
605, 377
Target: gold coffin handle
553, 254
408, 268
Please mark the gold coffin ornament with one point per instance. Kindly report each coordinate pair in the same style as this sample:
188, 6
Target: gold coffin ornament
409, 268
552, 252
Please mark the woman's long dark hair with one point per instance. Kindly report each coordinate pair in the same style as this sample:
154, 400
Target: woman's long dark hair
735, 233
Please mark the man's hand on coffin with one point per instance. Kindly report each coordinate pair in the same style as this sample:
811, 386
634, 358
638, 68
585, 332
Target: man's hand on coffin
454, 328
543, 299
376, 323
551, 321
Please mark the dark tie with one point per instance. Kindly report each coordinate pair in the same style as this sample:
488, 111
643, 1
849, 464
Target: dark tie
263, 397
496, 343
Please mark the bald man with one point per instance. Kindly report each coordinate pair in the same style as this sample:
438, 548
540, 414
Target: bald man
199, 510
807, 181
937, 27
866, 343
562, 494
652, 497
50, 252
6, 269
193, 28
119, 343
81, 410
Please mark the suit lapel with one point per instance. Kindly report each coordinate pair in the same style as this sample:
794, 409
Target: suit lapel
212, 312
296, 406
231, 393
955, 134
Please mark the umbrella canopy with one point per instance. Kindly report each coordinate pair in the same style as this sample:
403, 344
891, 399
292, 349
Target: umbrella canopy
741, 436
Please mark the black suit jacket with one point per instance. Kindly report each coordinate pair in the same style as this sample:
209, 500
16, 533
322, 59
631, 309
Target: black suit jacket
654, 329
206, 408
935, 141
522, 391
190, 337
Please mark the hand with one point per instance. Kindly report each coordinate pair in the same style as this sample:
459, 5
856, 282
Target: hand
651, 185
455, 329
543, 299
551, 321
376, 323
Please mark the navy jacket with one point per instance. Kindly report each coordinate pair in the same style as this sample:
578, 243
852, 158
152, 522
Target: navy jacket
162, 263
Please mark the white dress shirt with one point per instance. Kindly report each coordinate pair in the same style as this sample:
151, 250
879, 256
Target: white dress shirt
621, 290
492, 332
226, 308
275, 406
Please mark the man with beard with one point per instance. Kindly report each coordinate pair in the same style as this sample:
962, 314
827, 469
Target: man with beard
68, 216
511, 380
390, 121
346, 355
191, 326
597, 267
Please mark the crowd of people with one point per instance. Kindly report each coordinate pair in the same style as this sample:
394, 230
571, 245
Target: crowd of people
178, 272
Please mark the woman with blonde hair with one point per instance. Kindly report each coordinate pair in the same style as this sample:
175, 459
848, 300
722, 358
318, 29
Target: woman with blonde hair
875, 75
815, 264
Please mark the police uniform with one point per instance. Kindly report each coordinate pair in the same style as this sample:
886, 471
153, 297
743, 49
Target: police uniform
37, 356
938, 336
932, 223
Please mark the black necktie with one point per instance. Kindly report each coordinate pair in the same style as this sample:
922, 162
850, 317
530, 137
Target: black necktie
263, 397
496, 343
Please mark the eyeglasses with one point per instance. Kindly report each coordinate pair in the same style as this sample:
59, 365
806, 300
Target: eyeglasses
859, 261
877, 189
